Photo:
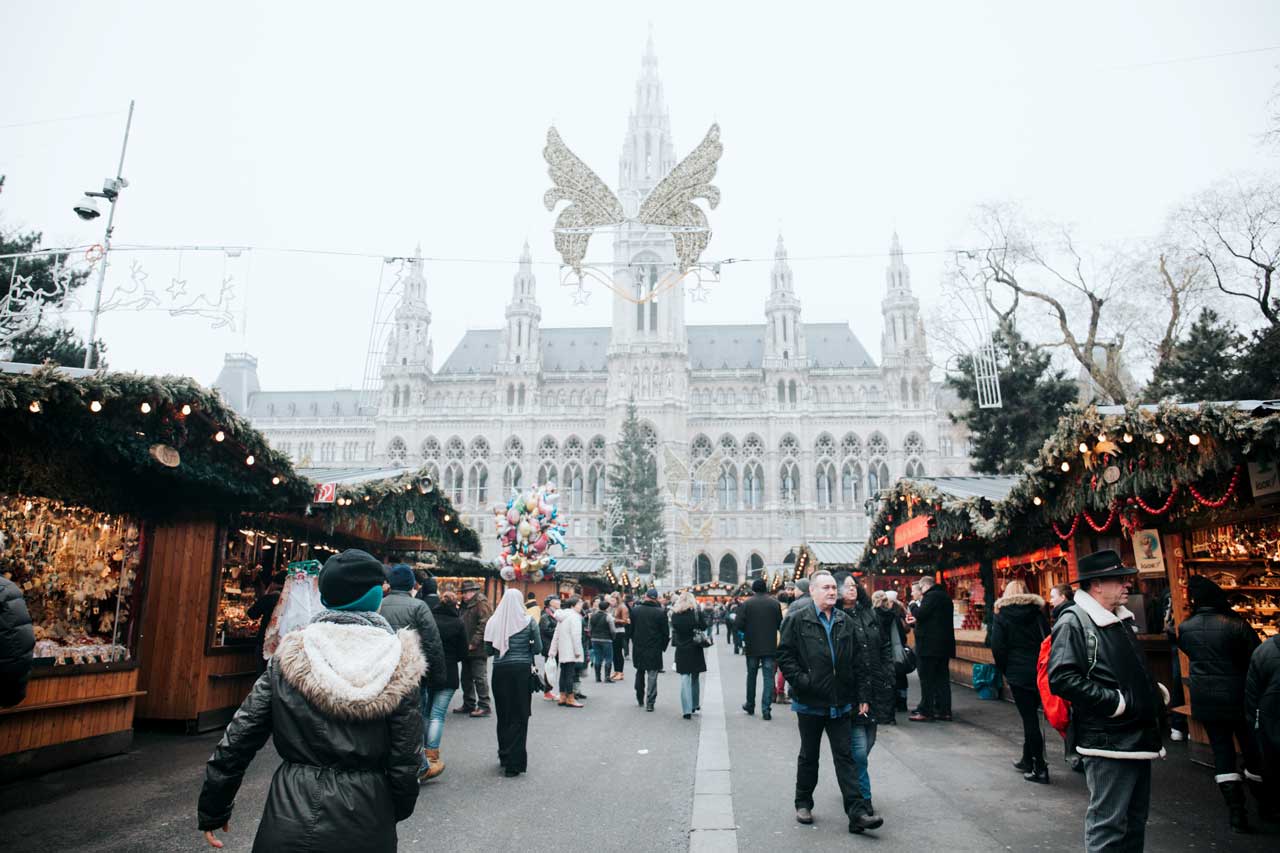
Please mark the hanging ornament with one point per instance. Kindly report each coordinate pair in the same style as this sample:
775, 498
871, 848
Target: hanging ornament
409, 516
1111, 475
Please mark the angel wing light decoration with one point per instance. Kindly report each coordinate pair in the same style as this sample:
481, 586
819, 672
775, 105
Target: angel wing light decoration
670, 205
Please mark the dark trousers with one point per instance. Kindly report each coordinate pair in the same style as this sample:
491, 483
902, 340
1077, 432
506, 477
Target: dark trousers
1119, 801
511, 702
1223, 736
1028, 701
646, 686
568, 676
756, 663
737, 640
619, 652
935, 687
475, 683
838, 736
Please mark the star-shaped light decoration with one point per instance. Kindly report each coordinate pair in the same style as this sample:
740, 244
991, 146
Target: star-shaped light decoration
700, 292
581, 295
177, 287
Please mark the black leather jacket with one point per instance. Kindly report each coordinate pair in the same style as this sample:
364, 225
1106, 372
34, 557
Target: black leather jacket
1218, 646
805, 660
1101, 671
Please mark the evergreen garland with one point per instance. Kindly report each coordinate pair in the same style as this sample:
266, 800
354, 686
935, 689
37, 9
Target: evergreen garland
387, 504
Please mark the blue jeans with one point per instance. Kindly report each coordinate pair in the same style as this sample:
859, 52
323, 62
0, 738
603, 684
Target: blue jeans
435, 707
754, 664
602, 657
689, 692
862, 739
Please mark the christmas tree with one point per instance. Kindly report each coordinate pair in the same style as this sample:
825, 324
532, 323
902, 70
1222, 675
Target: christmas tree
637, 520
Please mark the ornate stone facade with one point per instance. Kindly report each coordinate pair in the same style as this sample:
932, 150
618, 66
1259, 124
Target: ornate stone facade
807, 425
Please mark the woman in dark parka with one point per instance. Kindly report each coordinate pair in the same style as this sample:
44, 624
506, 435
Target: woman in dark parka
340, 701
1018, 628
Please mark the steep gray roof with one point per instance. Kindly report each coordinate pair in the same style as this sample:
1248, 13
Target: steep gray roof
994, 487
340, 403
710, 347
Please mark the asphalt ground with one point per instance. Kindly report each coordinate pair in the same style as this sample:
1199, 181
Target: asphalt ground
612, 777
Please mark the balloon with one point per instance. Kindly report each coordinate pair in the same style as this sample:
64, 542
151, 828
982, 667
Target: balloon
508, 573
540, 544
525, 530
513, 515
531, 504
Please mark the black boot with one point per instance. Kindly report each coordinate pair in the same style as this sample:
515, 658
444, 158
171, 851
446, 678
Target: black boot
1237, 809
861, 818
1039, 771
1025, 764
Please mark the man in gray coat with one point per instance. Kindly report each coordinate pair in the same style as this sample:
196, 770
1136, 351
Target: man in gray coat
402, 610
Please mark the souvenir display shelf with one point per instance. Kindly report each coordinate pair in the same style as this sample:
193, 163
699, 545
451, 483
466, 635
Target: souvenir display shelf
77, 569
1244, 559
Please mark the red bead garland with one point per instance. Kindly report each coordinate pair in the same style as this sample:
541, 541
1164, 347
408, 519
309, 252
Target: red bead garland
1161, 510
1098, 528
1075, 523
1222, 501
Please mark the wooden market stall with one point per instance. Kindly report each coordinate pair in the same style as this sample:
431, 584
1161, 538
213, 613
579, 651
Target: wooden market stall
199, 669
1177, 490
109, 489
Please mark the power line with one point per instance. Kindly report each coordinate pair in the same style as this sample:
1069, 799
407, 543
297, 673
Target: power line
59, 119
1181, 59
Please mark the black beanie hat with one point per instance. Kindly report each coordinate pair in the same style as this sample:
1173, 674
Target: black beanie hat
758, 585
429, 586
347, 577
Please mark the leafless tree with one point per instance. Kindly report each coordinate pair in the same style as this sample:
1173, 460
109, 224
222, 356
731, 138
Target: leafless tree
1234, 227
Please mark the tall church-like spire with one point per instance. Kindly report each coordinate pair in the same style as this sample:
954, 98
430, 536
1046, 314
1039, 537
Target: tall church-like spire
520, 346
647, 151
903, 346
784, 334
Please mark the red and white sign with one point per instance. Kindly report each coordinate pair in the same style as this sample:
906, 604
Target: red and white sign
911, 531
326, 493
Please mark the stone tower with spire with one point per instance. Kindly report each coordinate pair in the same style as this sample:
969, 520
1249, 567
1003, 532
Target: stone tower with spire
406, 370
520, 339
904, 348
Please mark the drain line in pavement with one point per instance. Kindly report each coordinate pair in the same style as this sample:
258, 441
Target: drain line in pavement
712, 828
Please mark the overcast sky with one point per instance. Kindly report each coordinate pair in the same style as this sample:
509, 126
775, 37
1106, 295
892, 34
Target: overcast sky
371, 127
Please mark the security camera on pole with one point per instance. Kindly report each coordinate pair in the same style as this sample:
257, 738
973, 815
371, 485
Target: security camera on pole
87, 209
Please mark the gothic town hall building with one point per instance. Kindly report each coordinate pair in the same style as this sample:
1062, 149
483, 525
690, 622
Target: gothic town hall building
806, 423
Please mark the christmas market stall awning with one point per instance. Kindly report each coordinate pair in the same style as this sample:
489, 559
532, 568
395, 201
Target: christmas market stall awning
834, 555
1117, 469
123, 442
942, 521
393, 504
587, 566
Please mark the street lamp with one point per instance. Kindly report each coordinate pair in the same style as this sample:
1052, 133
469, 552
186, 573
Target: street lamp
87, 209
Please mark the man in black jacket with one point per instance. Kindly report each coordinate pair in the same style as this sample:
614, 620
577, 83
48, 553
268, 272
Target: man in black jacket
759, 619
1096, 664
935, 647
828, 678
651, 634
17, 642
402, 609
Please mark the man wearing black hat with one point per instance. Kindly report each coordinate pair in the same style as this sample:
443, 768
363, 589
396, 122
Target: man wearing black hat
652, 635
759, 618
1096, 664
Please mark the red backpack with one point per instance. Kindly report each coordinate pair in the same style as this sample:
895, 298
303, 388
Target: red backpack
1056, 709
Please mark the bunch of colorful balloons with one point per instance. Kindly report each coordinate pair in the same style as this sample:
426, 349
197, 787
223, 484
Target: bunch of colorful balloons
527, 529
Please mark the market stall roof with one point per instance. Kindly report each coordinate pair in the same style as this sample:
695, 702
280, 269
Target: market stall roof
1258, 407
832, 553
581, 566
127, 442
989, 486
352, 476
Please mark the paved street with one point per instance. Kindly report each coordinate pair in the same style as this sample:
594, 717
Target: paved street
612, 777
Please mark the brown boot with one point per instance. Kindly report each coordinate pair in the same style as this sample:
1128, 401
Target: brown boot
437, 766
570, 702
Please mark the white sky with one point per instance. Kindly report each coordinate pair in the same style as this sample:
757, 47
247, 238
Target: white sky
371, 127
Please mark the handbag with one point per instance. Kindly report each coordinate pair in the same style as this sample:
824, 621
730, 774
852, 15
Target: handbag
702, 639
908, 660
535, 680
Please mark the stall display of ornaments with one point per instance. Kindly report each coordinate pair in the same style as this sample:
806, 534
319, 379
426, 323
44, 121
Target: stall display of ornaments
527, 528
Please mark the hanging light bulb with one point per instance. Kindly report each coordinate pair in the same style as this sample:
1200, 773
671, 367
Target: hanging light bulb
219, 436
275, 481
34, 407
1084, 448
447, 516
95, 406
1128, 438
186, 409
1159, 438
145, 407
1036, 500
1193, 439
249, 460
1066, 466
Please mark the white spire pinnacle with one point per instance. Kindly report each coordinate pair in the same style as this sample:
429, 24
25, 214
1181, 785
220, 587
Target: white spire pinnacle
897, 276
647, 151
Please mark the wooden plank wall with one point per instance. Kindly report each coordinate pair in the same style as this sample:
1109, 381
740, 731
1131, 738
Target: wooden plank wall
22, 729
219, 693
171, 648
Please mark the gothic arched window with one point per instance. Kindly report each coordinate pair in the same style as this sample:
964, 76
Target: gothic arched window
548, 448
850, 483
514, 448
825, 446
756, 565
791, 393
595, 448
397, 451
728, 569
782, 392
850, 445
546, 473
753, 446
595, 485
753, 486
702, 569
826, 484
788, 482
511, 477
877, 478
728, 487
914, 468
478, 485
479, 448
453, 483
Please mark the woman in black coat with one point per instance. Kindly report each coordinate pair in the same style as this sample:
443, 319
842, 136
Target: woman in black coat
1262, 710
1218, 643
686, 618
435, 709
17, 642
340, 701
1017, 630
873, 651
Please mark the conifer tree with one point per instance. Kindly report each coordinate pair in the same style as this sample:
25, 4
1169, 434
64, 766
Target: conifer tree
1203, 366
633, 483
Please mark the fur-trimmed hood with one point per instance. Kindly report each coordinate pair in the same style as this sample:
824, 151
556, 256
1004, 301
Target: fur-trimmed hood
352, 671
1019, 598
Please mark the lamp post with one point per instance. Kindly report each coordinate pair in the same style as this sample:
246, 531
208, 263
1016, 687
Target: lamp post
88, 209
